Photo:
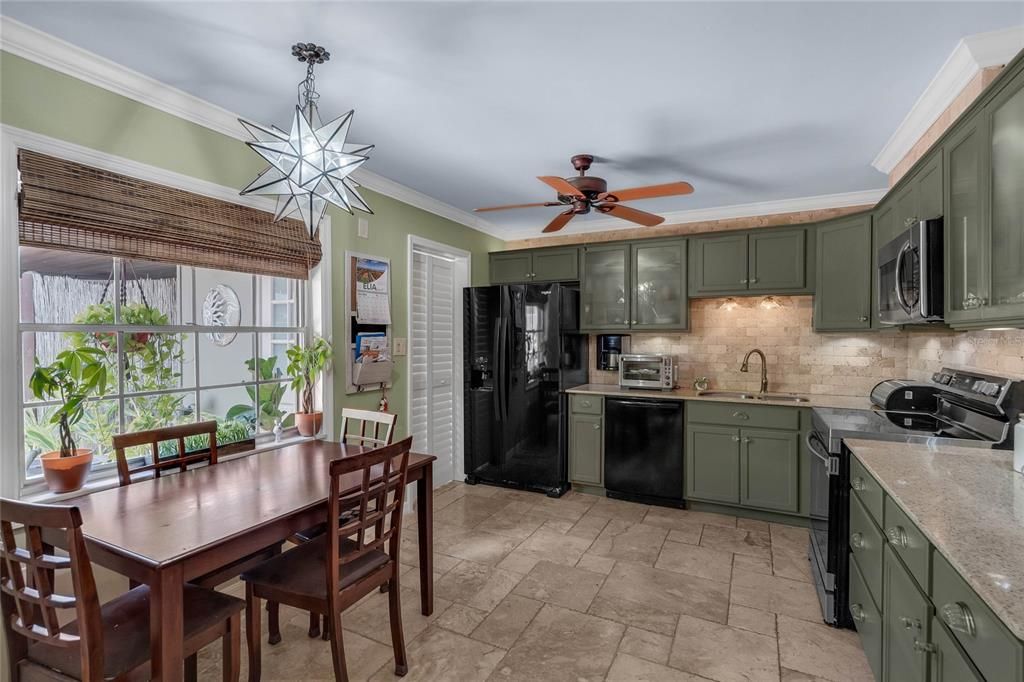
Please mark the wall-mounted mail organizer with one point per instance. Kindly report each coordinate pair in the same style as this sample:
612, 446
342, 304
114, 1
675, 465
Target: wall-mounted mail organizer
369, 365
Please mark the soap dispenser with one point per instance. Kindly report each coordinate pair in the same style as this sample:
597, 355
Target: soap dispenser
1018, 446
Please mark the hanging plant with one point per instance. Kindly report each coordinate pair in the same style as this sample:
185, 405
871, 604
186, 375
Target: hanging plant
138, 314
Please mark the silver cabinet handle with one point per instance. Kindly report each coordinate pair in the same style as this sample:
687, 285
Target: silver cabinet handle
736, 439
857, 611
924, 647
634, 321
857, 540
897, 537
586, 403
597, 427
753, 280
857, 483
741, 415
910, 623
746, 440
863, 318
910, 221
958, 617
743, 281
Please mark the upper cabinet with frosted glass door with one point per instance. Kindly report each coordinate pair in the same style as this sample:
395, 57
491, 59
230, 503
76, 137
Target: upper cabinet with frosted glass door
985, 216
659, 285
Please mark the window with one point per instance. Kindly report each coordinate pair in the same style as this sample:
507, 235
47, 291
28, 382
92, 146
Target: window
180, 344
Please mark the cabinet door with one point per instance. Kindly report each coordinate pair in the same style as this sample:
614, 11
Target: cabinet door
658, 291
905, 205
586, 449
556, 265
1006, 180
950, 662
719, 264
928, 187
907, 616
883, 230
777, 260
842, 296
964, 226
604, 302
512, 267
770, 470
713, 463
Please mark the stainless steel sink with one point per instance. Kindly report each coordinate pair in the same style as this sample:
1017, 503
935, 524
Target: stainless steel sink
744, 395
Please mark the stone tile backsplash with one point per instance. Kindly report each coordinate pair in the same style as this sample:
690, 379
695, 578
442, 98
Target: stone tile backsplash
803, 361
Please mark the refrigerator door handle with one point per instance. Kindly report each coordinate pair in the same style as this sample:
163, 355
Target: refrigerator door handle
497, 370
506, 374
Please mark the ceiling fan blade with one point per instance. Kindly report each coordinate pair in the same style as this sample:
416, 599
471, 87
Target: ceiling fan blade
561, 185
670, 189
560, 221
631, 214
502, 208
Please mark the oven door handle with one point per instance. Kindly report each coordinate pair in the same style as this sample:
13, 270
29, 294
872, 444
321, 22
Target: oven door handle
830, 461
900, 258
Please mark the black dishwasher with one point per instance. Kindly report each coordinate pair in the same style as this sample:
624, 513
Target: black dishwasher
643, 450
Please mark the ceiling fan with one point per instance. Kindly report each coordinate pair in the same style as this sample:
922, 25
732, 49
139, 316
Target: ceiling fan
581, 193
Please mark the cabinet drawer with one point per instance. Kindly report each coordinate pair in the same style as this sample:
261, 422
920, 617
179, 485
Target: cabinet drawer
586, 404
907, 615
866, 543
908, 542
867, 489
992, 648
744, 415
867, 618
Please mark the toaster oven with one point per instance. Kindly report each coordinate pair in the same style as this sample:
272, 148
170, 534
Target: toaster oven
647, 371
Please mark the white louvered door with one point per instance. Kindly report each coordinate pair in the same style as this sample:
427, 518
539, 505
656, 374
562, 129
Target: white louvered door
432, 358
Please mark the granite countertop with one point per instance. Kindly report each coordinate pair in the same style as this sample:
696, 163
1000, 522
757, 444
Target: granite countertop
970, 505
851, 402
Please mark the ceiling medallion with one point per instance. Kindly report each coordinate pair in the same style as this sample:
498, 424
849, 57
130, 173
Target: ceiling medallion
310, 166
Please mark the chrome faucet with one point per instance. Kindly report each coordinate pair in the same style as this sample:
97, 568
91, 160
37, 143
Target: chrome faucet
745, 367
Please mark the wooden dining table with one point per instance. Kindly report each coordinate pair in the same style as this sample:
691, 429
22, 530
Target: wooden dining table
165, 531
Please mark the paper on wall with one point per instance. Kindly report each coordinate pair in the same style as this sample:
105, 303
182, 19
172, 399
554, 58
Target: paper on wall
373, 304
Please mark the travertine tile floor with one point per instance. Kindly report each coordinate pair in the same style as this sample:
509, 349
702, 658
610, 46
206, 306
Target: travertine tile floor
587, 588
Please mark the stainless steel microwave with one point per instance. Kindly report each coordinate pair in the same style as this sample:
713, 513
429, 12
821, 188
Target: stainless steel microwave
647, 371
910, 283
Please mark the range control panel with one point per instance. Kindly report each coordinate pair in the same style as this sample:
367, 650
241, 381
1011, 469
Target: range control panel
971, 382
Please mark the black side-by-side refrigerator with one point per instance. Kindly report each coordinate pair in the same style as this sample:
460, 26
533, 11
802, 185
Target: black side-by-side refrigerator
522, 349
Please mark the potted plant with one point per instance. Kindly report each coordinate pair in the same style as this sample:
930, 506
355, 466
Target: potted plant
138, 314
75, 375
305, 365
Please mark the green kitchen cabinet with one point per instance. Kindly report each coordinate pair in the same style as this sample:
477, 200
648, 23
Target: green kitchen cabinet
556, 265
919, 196
604, 288
770, 470
867, 618
639, 285
712, 463
511, 267
720, 264
540, 265
658, 289
950, 663
907, 615
842, 295
586, 449
777, 260
965, 225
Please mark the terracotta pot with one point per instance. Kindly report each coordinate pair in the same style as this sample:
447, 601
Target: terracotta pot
66, 474
309, 423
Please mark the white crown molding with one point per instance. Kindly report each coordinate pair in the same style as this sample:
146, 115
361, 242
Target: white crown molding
47, 50
969, 57
760, 208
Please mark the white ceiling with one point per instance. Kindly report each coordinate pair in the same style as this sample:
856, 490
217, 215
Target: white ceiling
468, 102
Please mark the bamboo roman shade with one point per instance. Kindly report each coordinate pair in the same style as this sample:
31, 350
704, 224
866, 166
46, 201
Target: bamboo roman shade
66, 205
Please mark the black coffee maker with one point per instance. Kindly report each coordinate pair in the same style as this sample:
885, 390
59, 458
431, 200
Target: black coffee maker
609, 348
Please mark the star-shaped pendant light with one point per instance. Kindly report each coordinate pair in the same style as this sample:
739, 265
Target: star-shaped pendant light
312, 164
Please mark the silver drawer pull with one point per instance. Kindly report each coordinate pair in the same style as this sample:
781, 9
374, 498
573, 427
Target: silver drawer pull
597, 427
924, 647
898, 537
857, 483
585, 403
741, 415
910, 623
958, 617
857, 541
857, 611
736, 439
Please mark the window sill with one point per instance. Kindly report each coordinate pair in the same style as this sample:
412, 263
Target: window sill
106, 483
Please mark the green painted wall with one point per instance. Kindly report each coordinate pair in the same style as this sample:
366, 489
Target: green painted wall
44, 101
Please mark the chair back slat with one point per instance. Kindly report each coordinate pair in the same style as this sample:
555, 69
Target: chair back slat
28, 602
381, 425
376, 506
153, 437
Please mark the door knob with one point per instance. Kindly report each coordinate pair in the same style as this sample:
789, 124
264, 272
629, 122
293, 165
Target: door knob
863, 318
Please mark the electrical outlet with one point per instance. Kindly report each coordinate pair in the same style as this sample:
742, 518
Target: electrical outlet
364, 228
400, 346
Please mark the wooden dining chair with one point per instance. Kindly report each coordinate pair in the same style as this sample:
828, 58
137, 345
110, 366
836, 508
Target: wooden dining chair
181, 461
108, 642
358, 427
331, 573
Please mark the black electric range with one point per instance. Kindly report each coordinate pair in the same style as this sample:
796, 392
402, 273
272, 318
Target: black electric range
955, 407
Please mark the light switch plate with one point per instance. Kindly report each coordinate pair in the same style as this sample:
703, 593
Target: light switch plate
364, 228
400, 346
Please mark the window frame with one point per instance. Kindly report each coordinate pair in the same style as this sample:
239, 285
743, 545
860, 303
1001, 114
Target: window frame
317, 311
